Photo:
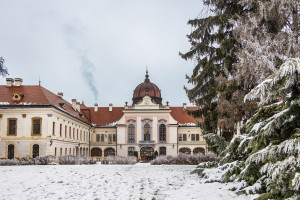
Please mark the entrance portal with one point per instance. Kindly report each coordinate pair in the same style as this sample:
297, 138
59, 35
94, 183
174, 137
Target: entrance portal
147, 153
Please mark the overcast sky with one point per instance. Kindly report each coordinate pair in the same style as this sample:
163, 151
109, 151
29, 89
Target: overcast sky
97, 51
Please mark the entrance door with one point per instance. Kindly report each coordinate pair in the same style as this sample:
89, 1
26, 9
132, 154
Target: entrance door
11, 151
147, 153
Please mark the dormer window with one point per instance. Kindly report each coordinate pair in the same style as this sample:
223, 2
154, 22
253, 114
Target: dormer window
81, 115
63, 105
17, 96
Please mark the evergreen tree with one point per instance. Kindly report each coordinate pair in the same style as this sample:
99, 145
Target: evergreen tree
267, 159
3, 69
213, 49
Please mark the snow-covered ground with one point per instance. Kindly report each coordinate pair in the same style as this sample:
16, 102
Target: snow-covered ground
140, 181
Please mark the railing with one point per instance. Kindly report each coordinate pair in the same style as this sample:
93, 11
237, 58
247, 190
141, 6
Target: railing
131, 141
162, 141
146, 142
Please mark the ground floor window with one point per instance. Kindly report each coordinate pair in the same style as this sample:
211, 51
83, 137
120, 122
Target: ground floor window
11, 151
109, 152
185, 150
199, 150
96, 152
35, 150
162, 151
131, 151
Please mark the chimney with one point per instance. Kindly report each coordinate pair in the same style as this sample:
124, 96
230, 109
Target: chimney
74, 104
60, 94
184, 106
9, 82
96, 107
110, 107
18, 82
78, 106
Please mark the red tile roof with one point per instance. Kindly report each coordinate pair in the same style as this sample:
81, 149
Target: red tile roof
35, 95
182, 117
103, 117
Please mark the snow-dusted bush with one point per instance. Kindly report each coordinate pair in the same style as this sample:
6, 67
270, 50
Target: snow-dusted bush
8, 162
266, 160
184, 159
75, 160
120, 160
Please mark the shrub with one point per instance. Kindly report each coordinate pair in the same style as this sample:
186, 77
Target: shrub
120, 160
75, 160
9, 162
184, 159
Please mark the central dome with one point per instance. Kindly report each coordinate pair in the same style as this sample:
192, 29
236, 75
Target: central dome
147, 89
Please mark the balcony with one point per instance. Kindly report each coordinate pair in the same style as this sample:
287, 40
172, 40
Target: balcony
131, 141
162, 141
146, 142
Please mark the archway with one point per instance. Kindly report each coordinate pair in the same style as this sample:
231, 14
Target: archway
185, 150
109, 152
199, 150
146, 152
96, 152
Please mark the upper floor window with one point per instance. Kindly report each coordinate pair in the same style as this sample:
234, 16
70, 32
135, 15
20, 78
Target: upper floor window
60, 130
197, 137
183, 137
110, 138
12, 127
162, 133
102, 137
66, 130
70, 134
98, 138
131, 133
36, 126
53, 128
193, 137
180, 137
147, 132
114, 137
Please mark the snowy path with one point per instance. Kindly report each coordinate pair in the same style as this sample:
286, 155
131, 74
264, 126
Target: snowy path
141, 181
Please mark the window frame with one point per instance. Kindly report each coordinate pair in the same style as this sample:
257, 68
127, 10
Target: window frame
131, 139
8, 126
32, 126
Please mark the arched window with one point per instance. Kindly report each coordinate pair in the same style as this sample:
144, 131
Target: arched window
109, 152
162, 151
146, 132
162, 134
185, 150
199, 150
96, 152
11, 151
35, 150
131, 134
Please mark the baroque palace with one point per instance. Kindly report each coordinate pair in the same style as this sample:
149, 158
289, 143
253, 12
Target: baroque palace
36, 122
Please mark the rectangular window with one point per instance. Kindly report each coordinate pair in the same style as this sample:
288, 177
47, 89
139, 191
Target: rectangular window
77, 134
70, 134
66, 131
84, 135
193, 137
98, 138
180, 137
197, 137
55, 151
74, 133
184, 137
80, 134
36, 126
66, 151
70, 153
60, 130
114, 137
60, 151
131, 151
53, 128
110, 138
162, 151
12, 127
102, 137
